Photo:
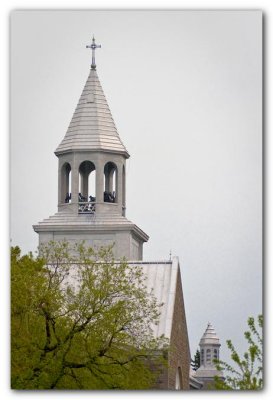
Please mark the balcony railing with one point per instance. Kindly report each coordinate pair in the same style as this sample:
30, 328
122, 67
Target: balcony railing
87, 207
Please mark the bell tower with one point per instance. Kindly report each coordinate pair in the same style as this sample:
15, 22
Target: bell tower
92, 179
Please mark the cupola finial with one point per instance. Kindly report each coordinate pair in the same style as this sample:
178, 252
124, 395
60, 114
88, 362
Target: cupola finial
93, 46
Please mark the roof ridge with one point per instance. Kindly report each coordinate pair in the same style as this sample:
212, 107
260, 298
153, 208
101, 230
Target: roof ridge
97, 86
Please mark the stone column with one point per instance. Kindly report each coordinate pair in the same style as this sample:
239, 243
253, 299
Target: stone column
59, 184
99, 182
119, 187
75, 185
123, 194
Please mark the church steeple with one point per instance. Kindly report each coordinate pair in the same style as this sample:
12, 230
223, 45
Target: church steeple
92, 178
93, 141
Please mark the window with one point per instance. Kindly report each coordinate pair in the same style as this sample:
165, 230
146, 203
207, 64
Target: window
178, 379
208, 356
215, 356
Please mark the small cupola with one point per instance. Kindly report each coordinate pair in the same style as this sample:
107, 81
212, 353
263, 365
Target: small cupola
209, 346
209, 351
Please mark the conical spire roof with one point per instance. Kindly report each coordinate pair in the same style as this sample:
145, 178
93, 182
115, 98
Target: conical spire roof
92, 127
209, 336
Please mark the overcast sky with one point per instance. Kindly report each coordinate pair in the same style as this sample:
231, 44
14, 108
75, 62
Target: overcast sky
185, 91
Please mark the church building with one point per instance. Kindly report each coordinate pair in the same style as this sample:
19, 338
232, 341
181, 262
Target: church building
92, 207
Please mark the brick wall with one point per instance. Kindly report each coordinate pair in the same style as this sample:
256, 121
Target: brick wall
179, 352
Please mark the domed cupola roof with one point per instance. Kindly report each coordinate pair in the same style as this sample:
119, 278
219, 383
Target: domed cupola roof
209, 337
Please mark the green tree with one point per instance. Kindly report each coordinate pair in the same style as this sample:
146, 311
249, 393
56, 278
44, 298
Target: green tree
248, 374
81, 321
195, 363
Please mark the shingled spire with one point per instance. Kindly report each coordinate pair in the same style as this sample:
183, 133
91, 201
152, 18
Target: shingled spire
92, 127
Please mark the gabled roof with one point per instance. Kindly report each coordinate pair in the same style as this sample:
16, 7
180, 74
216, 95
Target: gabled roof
161, 278
92, 127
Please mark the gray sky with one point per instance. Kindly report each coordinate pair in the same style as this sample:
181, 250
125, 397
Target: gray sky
185, 91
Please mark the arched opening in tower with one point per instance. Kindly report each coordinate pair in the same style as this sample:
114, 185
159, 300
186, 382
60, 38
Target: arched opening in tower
87, 182
110, 194
66, 183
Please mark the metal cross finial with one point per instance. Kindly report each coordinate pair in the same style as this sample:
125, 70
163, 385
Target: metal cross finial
93, 46
170, 255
